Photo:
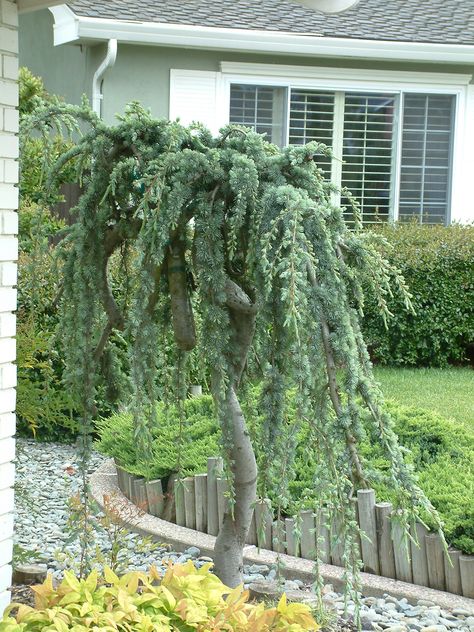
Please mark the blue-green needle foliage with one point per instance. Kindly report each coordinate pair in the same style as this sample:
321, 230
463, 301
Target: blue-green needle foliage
245, 235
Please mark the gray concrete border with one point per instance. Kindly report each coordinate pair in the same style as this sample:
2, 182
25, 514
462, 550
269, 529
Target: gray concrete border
103, 484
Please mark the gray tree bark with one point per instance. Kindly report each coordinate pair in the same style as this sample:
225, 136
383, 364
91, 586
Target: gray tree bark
228, 553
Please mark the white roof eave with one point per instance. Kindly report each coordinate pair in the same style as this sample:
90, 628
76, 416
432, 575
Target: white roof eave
70, 27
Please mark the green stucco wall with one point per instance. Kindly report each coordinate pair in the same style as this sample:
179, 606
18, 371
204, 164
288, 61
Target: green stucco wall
142, 72
63, 68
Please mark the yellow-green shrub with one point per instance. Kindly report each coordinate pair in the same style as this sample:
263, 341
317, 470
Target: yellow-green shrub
184, 600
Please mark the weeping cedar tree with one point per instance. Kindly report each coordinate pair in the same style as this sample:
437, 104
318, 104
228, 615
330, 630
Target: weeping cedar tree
235, 250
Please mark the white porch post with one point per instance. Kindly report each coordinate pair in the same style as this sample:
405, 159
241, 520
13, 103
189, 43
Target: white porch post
8, 276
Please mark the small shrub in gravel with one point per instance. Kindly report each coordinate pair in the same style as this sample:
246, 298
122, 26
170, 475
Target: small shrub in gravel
183, 599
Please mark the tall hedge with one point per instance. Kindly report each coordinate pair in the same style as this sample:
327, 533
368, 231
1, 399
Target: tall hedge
438, 265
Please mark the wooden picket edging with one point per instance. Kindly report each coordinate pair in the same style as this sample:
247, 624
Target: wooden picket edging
198, 502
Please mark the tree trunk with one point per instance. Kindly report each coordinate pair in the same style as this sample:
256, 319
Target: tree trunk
228, 553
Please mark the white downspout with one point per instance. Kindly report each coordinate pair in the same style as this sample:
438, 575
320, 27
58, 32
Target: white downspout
108, 62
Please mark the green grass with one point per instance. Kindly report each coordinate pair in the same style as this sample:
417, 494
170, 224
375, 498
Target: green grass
449, 392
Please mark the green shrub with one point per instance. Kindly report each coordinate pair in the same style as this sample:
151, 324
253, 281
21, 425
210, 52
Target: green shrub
175, 447
442, 455
44, 406
443, 459
36, 154
184, 599
438, 265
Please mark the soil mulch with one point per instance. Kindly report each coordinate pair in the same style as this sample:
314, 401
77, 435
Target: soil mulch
22, 594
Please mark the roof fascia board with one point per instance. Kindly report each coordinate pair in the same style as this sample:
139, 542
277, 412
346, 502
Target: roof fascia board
72, 27
405, 77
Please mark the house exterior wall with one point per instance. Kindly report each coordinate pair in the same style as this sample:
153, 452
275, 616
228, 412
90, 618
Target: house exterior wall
8, 256
143, 72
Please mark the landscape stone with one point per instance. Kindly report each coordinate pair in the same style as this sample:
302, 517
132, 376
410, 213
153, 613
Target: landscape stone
41, 527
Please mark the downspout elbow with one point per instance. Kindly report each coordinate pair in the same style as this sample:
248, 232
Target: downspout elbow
108, 62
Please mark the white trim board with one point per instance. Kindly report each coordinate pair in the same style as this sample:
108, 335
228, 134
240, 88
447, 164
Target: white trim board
70, 27
345, 76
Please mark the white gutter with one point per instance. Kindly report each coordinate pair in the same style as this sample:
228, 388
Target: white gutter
70, 27
329, 6
108, 62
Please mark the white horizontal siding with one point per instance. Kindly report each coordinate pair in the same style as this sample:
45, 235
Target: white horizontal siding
8, 272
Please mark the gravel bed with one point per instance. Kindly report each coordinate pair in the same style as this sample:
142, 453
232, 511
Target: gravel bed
48, 476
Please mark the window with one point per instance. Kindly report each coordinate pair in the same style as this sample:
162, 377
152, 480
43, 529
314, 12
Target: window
311, 118
392, 150
426, 157
260, 107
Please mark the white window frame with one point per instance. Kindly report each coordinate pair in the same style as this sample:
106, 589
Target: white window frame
356, 80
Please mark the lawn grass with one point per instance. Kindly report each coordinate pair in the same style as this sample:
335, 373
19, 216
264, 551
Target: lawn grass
449, 392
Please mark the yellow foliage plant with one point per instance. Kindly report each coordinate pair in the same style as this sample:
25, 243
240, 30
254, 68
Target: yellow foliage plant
184, 599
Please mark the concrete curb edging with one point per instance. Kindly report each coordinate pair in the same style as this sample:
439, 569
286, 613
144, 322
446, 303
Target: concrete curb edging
103, 484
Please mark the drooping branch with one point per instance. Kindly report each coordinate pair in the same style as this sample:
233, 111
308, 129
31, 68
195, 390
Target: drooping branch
334, 395
182, 315
238, 300
243, 314
351, 441
114, 237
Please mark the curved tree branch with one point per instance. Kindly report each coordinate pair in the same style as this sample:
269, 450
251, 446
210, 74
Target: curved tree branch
181, 309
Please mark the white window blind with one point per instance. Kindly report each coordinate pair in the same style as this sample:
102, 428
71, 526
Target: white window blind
425, 176
392, 151
312, 119
263, 108
368, 152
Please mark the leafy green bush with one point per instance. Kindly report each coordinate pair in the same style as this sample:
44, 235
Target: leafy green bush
177, 446
37, 155
44, 406
441, 454
185, 599
438, 265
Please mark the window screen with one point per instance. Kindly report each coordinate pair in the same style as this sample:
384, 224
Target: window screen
426, 157
368, 152
263, 108
312, 119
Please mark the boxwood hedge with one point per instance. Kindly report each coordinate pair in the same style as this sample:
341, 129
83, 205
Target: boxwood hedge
438, 265
176, 446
